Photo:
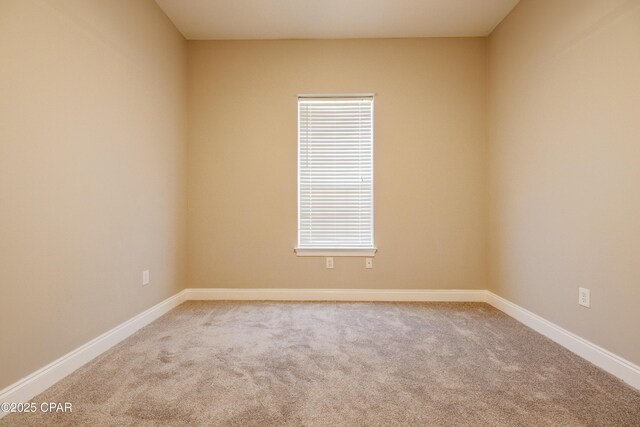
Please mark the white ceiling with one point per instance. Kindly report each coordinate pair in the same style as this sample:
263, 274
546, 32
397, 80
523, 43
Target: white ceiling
331, 19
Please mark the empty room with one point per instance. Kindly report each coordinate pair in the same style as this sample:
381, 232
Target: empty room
320, 213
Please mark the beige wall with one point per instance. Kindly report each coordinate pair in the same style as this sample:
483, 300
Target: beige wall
92, 171
564, 162
430, 193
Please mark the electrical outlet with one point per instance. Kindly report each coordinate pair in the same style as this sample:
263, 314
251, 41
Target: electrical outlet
584, 297
145, 277
329, 262
368, 263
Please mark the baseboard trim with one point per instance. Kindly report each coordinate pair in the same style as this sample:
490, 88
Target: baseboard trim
35, 383
604, 359
404, 295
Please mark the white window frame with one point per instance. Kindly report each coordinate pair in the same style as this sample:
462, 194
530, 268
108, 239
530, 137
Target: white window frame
336, 252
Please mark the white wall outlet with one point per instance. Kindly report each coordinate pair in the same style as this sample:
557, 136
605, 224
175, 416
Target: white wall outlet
329, 262
368, 263
145, 277
584, 297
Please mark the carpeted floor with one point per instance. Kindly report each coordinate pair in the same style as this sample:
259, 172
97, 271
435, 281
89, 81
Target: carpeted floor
338, 364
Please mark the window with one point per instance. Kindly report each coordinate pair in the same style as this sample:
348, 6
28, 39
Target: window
335, 176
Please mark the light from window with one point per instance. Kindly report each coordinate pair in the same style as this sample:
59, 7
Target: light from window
335, 173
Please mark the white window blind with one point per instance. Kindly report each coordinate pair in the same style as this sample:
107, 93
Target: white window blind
335, 173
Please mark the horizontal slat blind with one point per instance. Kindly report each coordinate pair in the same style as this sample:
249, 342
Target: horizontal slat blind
335, 173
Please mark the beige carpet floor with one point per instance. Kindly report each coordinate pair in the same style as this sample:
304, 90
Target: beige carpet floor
338, 364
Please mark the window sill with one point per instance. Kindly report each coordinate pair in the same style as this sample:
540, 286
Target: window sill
336, 252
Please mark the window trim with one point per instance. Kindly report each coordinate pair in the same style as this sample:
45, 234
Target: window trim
335, 252
359, 252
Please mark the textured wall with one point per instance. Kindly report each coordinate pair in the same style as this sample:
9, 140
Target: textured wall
564, 152
430, 180
92, 171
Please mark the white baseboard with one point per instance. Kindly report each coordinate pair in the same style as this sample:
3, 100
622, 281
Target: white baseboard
604, 359
405, 295
40, 380
37, 382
